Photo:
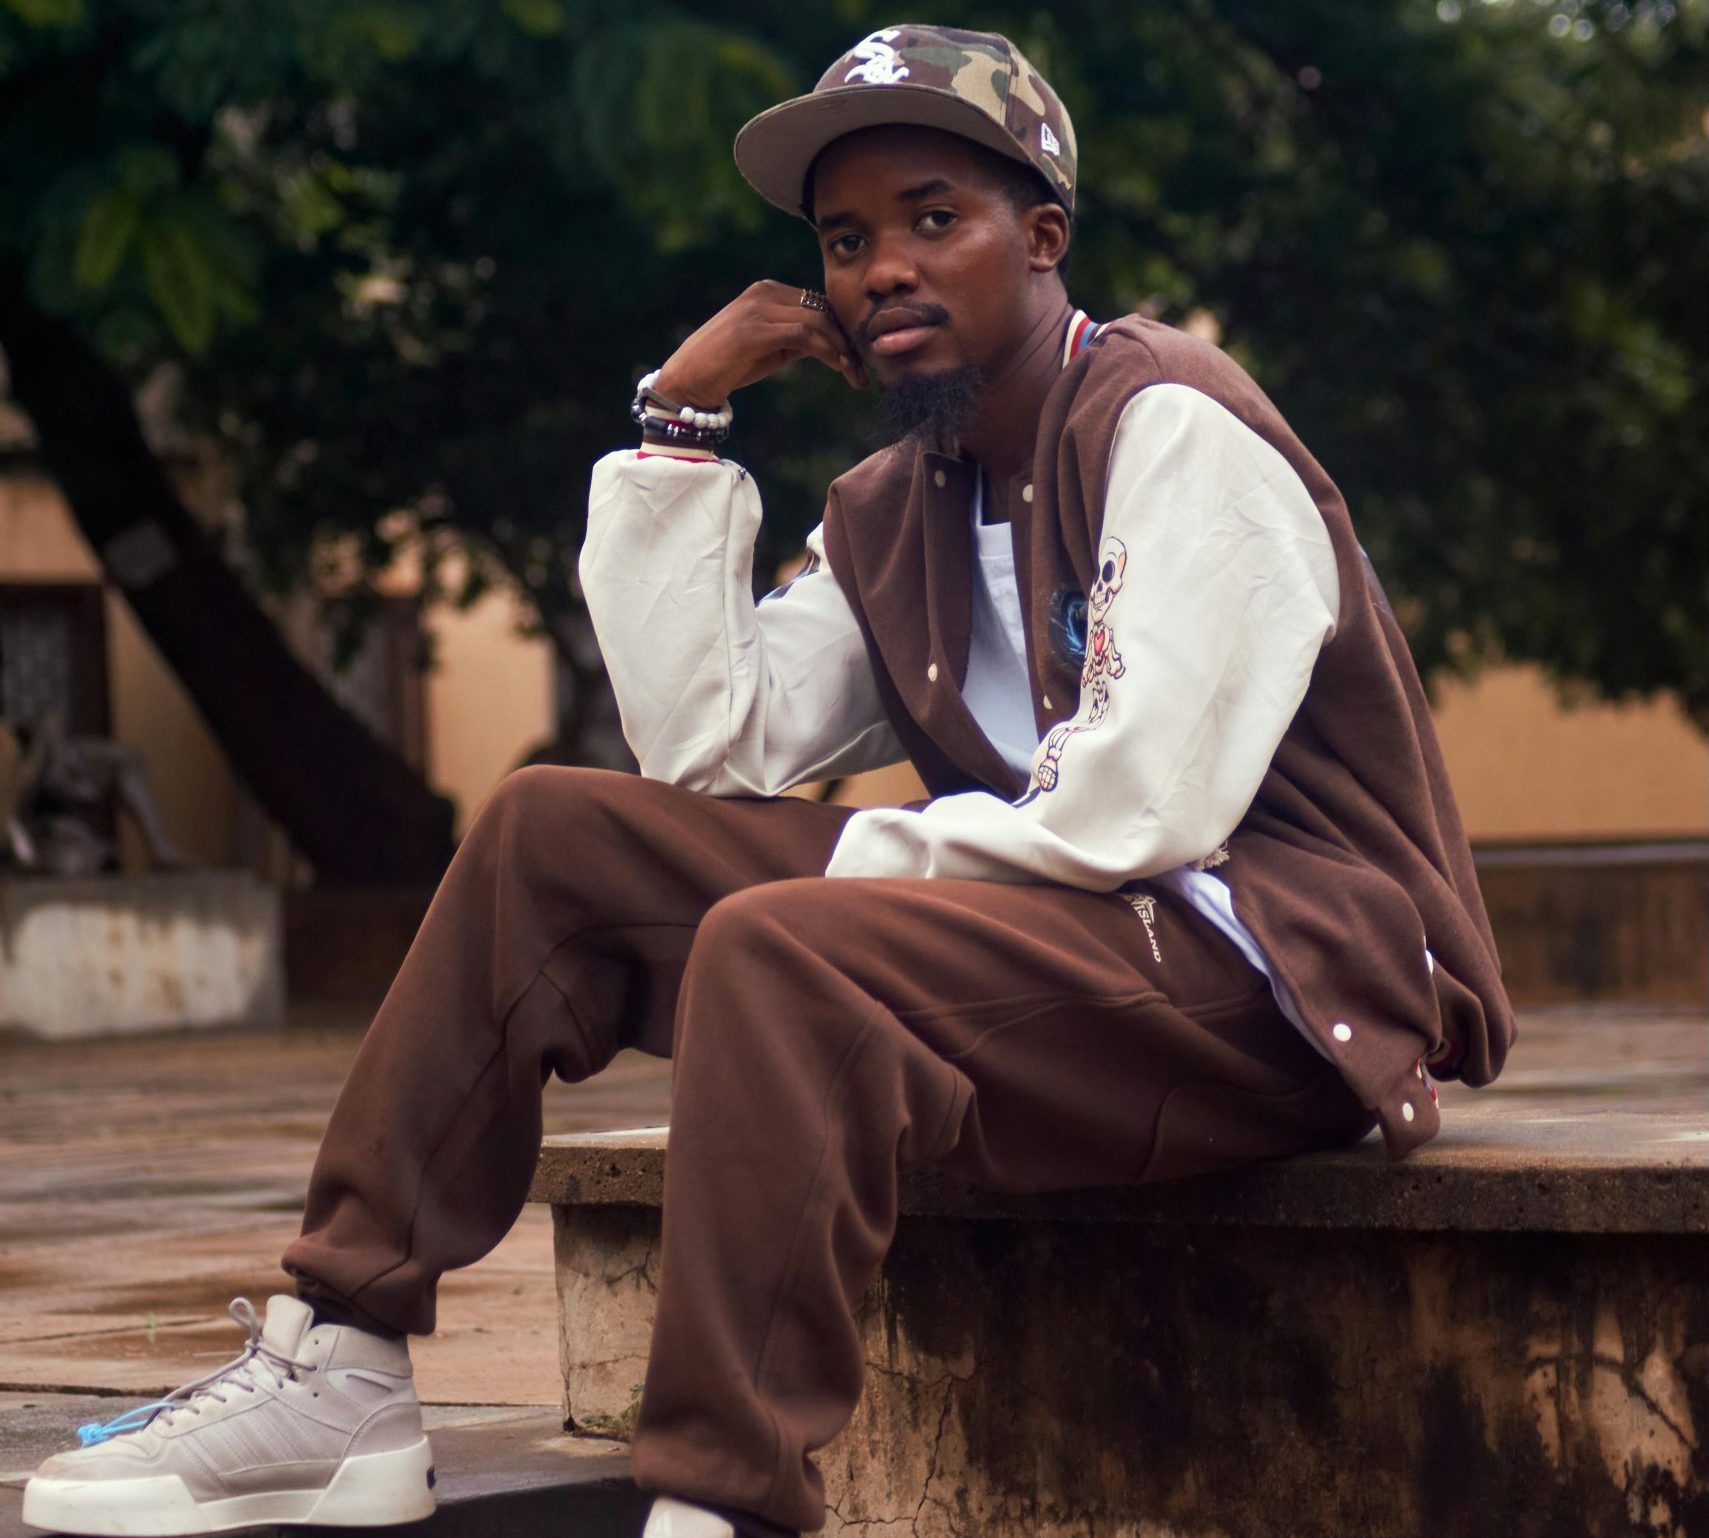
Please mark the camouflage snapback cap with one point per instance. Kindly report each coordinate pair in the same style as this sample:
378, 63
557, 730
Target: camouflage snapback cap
975, 84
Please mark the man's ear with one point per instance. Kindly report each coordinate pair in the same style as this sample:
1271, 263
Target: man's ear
1047, 234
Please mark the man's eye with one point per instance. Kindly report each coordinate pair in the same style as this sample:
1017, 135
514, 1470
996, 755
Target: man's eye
937, 219
844, 245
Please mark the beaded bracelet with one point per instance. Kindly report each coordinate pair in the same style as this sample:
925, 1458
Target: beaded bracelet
658, 413
674, 431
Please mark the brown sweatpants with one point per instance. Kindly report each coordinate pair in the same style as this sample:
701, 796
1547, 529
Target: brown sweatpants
1030, 1037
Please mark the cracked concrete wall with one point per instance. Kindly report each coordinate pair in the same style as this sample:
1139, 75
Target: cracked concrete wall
607, 1270
1119, 1381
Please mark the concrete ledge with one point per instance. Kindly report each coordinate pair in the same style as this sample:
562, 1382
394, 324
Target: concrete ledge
1557, 1149
1525, 1185
1505, 1336
115, 954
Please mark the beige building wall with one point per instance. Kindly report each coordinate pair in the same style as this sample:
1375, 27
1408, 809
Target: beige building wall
489, 699
203, 802
1524, 767
151, 711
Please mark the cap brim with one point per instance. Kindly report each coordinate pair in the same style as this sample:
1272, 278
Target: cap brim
774, 150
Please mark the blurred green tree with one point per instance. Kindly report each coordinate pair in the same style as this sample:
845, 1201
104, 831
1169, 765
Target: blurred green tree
404, 258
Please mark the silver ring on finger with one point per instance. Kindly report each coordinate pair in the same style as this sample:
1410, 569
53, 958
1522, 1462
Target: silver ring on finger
812, 299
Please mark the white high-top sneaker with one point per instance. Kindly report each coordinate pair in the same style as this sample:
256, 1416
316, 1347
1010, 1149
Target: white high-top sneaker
308, 1425
670, 1518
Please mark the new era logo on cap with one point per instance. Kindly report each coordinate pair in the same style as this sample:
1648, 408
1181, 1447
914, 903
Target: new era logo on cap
1047, 140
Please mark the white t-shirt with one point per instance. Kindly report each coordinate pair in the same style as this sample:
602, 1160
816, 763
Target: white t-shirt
996, 688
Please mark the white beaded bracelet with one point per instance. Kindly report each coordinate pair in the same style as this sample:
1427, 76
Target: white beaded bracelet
650, 408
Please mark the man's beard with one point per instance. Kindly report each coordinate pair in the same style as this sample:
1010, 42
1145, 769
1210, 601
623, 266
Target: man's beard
929, 409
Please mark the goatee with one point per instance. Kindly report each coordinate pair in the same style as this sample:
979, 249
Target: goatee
929, 409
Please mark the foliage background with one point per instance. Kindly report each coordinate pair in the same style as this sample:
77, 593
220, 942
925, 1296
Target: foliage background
401, 260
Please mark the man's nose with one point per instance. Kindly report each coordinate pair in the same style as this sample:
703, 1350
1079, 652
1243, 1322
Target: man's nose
890, 269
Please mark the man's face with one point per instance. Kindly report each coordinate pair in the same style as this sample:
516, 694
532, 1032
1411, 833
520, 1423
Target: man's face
926, 258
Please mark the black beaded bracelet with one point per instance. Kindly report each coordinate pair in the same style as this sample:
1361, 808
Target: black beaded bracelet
674, 430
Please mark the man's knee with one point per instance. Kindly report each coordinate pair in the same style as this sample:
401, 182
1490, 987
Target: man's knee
525, 795
767, 921
550, 809
761, 1003
781, 1009
565, 795
770, 952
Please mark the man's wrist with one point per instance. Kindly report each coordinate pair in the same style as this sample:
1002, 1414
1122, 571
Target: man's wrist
652, 448
691, 392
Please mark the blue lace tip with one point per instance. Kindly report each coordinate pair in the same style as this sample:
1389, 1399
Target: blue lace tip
96, 1432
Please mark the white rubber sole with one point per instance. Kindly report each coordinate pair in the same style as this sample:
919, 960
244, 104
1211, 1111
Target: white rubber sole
370, 1490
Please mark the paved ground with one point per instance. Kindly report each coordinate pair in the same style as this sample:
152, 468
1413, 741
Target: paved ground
145, 1183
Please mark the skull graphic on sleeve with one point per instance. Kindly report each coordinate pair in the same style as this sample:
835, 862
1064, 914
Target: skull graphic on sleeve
1102, 667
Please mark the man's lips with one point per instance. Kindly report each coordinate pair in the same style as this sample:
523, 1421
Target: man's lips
904, 339
896, 330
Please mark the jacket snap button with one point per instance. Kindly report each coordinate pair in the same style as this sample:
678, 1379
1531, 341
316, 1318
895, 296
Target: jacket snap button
1027, 492
1407, 1111
938, 477
932, 671
1341, 1031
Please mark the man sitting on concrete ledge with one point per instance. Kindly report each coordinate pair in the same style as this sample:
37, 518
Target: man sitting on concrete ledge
1196, 892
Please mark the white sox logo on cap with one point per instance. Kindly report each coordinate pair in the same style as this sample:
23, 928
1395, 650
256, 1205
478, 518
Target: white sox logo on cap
880, 66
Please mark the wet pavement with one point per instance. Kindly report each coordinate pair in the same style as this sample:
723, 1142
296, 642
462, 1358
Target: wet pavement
145, 1183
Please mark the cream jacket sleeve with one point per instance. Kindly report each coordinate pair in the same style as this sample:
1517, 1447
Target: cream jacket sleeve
716, 692
1217, 588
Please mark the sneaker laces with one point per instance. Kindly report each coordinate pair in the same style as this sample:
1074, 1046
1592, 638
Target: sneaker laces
257, 1366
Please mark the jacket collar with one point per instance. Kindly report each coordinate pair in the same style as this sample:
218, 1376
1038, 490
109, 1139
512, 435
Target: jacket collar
1081, 329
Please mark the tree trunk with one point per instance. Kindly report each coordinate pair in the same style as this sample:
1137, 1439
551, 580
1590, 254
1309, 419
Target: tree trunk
351, 805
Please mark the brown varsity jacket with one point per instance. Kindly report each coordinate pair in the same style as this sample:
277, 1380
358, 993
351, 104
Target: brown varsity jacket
1350, 868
